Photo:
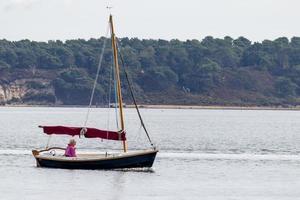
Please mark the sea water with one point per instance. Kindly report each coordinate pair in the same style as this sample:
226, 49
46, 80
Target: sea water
204, 154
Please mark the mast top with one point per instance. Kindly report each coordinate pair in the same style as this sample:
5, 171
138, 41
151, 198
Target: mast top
109, 8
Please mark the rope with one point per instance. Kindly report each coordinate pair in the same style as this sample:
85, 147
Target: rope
133, 97
97, 76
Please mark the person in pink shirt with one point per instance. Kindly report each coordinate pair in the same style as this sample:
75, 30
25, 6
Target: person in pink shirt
70, 150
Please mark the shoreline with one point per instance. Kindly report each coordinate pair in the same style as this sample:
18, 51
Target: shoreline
192, 107
195, 107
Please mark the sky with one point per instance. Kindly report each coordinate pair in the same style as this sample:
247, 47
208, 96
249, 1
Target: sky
43, 20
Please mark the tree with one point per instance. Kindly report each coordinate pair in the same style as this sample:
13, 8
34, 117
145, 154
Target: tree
147, 57
242, 43
285, 87
204, 77
26, 58
74, 86
9, 56
66, 56
295, 42
46, 60
158, 79
243, 69
4, 66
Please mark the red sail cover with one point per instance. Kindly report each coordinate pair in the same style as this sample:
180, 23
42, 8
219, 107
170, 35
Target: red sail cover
88, 132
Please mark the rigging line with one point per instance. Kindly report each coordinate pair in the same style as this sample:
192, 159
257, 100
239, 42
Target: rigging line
97, 76
48, 141
132, 95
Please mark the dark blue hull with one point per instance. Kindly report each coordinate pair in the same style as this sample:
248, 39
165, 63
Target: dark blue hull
132, 161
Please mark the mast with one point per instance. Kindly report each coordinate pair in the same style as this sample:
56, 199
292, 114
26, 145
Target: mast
117, 71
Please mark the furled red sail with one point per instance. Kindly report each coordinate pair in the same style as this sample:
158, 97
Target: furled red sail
86, 132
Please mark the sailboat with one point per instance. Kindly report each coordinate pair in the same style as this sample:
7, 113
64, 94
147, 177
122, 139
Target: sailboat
120, 160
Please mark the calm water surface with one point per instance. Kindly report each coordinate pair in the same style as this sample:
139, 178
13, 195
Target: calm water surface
204, 154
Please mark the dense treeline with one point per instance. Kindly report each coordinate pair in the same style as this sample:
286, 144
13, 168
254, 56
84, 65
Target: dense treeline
211, 71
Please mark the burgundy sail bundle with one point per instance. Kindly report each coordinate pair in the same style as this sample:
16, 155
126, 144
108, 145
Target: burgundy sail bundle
87, 132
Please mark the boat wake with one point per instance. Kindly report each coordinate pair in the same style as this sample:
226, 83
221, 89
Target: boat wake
14, 152
228, 156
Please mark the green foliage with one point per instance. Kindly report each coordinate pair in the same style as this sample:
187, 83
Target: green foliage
285, 87
203, 78
200, 67
74, 87
242, 79
39, 98
158, 79
35, 85
26, 58
4, 66
8, 55
48, 61
242, 43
